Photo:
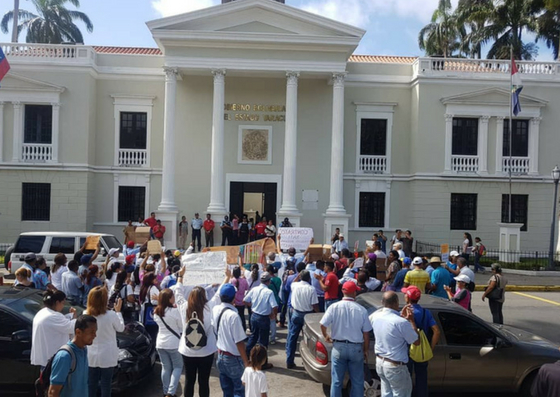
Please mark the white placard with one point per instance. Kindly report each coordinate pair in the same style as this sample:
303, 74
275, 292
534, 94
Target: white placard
358, 263
205, 268
296, 237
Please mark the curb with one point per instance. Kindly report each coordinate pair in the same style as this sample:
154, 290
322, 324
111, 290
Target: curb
526, 288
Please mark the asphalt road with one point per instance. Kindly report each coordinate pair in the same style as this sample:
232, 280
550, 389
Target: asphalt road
536, 312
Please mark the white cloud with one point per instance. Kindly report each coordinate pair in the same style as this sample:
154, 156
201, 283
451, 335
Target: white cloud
173, 7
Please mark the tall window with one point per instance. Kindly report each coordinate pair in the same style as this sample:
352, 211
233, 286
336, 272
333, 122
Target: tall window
372, 209
519, 209
36, 202
131, 203
373, 137
465, 136
463, 211
38, 124
133, 131
520, 138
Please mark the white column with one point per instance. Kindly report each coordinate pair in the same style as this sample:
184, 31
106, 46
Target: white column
1, 131
168, 175
55, 131
499, 144
217, 196
483, 144
534, 128
18, 132
336, 205
448, 141
288, 206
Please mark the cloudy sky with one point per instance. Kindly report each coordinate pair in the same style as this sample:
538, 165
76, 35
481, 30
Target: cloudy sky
392, 25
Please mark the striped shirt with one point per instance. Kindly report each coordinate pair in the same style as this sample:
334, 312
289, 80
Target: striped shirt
417, 277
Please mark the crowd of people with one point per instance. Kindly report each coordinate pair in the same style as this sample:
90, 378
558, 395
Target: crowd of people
235, 321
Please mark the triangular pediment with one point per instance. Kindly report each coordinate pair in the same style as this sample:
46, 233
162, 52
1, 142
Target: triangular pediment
492, 96
256, 27
15, 82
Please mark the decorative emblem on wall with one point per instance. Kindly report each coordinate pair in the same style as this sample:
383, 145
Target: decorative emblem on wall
255, 145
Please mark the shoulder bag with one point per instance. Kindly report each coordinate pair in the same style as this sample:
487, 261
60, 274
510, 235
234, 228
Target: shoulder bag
422, 352
498, 292
169, 328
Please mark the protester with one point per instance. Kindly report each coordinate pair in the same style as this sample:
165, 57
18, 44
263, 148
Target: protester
329, 284
497, 281
30, 260
401, 274
40, 277
91, 282
440, 277
462, 296
319, 270
57, 269
392, 269
72, 284
170, 326
275, 286
478, 250
209, 230
379, 252
253, 277
399, 248
425, 321
230, 334
427, 266
50, 327
350, 338
371, 264
159, 232
111, 274
124, 291
149, 293
63, 381
171, 279
394, 332
289, 270
253, 378
303, 300
418, 276
339, 245
467, 245
196, 225
464, 269
23, 275
103, 354
264, 307
241, 286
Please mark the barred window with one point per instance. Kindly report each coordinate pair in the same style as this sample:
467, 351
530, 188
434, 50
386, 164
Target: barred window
463, 211
520, 138
373, 137
133, 131
131, 203
372, 209
35, 201
519, 209
38, 124
465, 136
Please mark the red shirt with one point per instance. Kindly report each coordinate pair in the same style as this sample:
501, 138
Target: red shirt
331, 281
152, 222
159, 231
260, 227
208, 225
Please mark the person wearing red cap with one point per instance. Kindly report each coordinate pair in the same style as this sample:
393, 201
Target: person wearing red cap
424, 321
350, 329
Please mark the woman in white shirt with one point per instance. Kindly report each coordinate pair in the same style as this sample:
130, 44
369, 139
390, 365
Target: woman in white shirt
111, 275
51, 328
124, 291
170, 325
57, 269
103, 354
197, 361
148, 299
467, 246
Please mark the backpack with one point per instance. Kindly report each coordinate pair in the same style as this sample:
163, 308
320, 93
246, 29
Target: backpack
482, 250
44, 381
172, 281
195, 334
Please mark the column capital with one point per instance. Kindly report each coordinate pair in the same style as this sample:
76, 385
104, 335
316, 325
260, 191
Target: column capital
292, 77
55, 104
485, 119
219, 75
536, 120
338, 79
449, 117
171, 74
16, 104
500, 118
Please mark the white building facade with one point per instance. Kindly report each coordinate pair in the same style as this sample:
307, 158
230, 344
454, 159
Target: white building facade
255, 105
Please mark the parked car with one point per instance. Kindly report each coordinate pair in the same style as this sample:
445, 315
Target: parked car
137, 352
48, 244
472, 354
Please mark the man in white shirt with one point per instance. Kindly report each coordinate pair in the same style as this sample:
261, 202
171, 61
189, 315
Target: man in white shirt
232, 357
339, 245
378, 251
304, 300
464, 268
398, 247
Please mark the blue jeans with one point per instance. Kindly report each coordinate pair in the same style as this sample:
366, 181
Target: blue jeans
477, 265
273, 330
330, 302
171, 369
395, 379
284, 295
260, 327
296, 324
347, 357
100, 378
421, 380
231, 370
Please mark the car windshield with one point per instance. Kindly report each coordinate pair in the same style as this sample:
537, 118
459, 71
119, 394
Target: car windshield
30, 306
111, 242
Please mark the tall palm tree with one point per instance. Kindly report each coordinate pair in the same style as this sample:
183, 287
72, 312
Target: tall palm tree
53, 23
548, 24
441, 36
473, 15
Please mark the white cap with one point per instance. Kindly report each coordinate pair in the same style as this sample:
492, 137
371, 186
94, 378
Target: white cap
112, 251
341, 235
417, 261
463, 277
453, 253
335, 257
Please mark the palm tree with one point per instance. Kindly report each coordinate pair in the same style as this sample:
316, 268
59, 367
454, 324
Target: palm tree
441, 36
52, 24
473, 15
548, 24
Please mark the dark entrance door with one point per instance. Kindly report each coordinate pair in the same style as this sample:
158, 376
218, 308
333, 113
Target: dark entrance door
236, 197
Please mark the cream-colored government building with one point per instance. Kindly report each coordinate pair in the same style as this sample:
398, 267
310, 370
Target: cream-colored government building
254, 105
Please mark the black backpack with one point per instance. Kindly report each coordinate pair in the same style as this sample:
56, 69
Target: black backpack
42, 384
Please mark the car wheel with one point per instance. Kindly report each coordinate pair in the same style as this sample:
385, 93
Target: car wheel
525, 390
8, 255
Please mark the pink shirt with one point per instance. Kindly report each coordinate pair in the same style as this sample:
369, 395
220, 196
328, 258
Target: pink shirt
242, 287
465, 302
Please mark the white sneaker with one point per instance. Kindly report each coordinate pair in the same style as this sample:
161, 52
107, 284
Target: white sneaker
273, 342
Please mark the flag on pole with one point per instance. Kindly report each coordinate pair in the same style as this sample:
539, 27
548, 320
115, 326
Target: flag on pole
4, 65
516, 87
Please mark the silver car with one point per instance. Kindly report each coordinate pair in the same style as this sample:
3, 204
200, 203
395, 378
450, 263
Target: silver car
471, 354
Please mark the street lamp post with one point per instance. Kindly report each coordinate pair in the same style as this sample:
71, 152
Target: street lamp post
555, 178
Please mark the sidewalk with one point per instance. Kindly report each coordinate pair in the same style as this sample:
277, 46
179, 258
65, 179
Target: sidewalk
517, 282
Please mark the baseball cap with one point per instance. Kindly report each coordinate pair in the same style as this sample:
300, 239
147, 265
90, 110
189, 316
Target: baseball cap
350, 287
30, 257
228, 291
177, 253
335, 257
407, 261
85, 259
130, 258
265, 277
417, 261
413, 292
463, 277
112, 251
130, 244
453, 253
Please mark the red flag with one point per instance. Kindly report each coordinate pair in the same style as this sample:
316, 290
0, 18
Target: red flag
4, 65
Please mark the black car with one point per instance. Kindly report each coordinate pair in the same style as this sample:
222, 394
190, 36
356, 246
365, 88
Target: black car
137, 353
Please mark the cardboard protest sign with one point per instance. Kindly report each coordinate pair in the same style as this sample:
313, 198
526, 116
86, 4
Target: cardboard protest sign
264, 245
319, 252
91, 242
205, 268
296, 237
154, 247
141, 234
444, 253
358, 263
128, 234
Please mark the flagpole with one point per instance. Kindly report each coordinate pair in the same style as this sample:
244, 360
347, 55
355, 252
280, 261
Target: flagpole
510, 129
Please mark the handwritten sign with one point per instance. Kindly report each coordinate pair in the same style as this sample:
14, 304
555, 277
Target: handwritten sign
444, 253
295, 237
154, 247
205, 268
91, 242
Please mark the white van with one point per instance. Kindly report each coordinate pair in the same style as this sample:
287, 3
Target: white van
48, 244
